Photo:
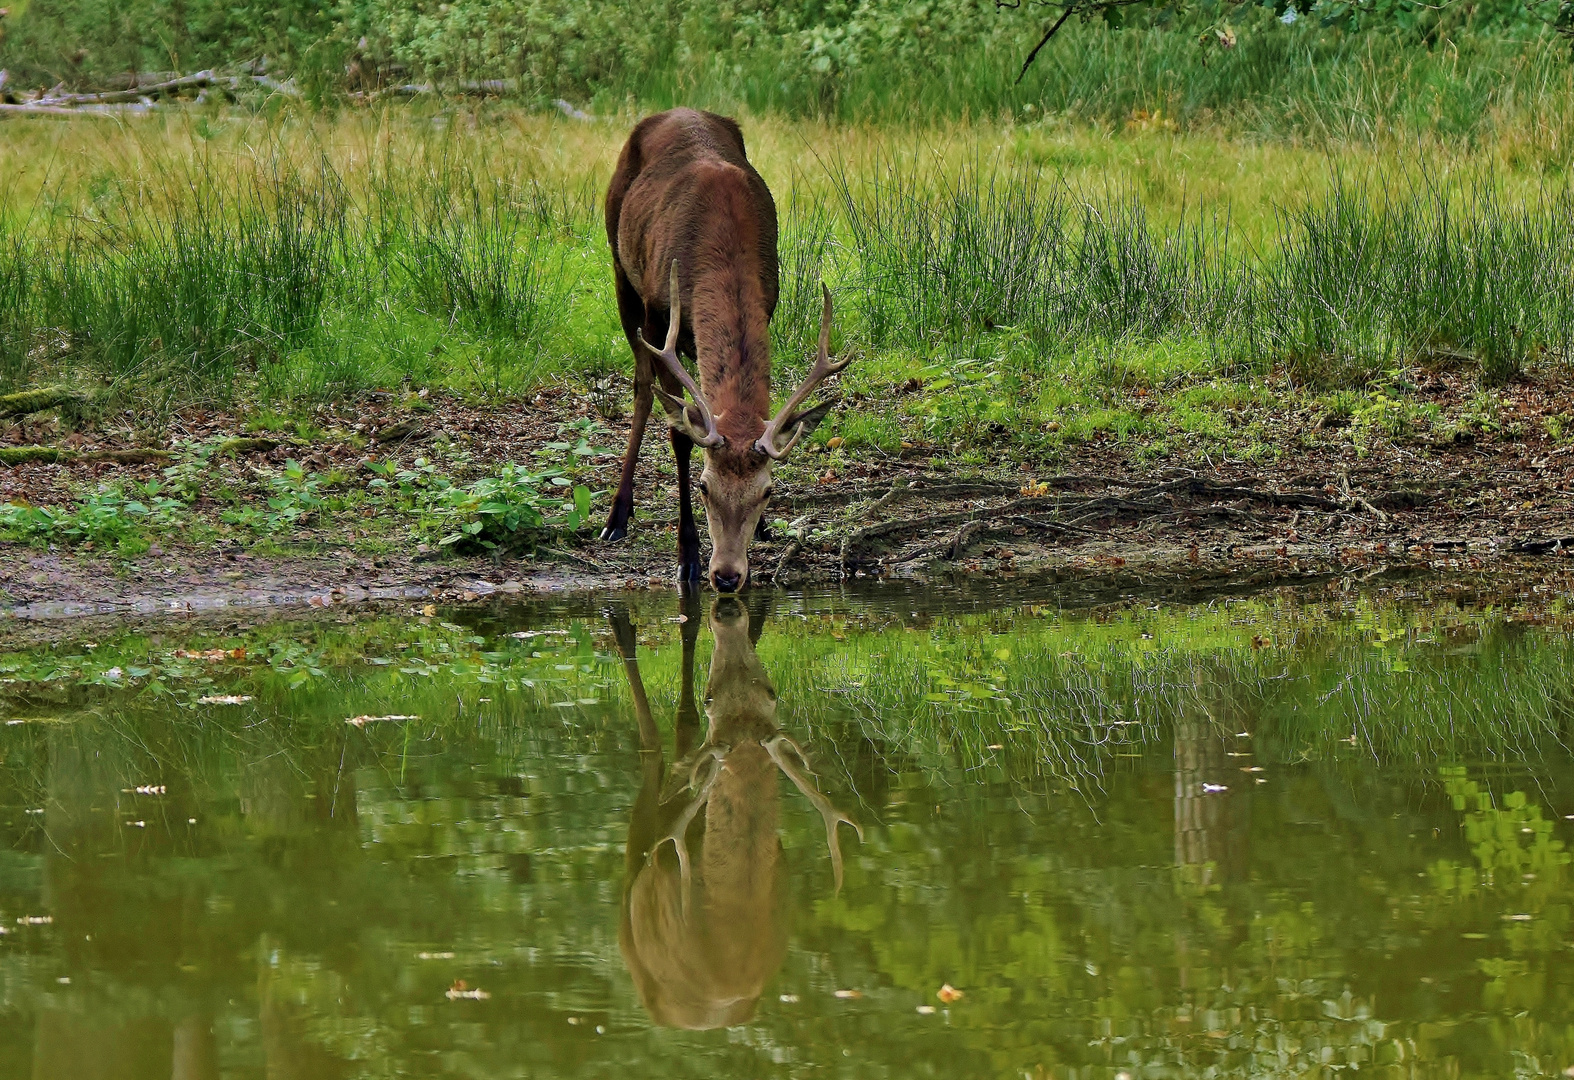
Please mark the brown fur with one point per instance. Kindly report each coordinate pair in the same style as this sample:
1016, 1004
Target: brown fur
684, 190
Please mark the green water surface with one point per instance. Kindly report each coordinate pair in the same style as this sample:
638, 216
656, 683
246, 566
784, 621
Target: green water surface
1285, 835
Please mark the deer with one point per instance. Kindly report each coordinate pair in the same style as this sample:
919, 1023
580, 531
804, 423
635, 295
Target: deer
702, 917
693, 233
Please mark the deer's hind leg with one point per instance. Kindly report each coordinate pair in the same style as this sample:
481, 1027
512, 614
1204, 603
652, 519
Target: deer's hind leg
631, 311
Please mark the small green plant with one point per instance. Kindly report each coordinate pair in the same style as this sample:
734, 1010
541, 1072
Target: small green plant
514, 505
295, 495
192, 468
111, 517
576, 442
421, 479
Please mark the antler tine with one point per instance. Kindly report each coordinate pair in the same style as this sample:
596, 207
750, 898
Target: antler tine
679, 832
668, 355
823, 369
828, 812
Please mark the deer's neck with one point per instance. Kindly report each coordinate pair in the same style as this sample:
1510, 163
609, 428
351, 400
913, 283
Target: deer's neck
733, 345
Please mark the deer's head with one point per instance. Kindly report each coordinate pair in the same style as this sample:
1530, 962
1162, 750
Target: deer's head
735, 484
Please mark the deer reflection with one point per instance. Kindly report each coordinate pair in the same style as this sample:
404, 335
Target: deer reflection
703, 927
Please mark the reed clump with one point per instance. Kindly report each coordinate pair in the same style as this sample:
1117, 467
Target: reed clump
295, 272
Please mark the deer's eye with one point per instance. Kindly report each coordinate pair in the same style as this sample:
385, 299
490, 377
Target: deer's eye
765, 495
703, 489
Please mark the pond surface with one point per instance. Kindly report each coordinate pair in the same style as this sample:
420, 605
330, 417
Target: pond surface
903, 833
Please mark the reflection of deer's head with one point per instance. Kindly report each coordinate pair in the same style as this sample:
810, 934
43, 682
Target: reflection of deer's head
702, 928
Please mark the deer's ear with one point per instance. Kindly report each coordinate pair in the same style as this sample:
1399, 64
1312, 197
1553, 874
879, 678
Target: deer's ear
673, 406
681, 415
810, 418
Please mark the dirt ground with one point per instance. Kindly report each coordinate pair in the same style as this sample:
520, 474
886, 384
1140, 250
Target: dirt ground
1325, 507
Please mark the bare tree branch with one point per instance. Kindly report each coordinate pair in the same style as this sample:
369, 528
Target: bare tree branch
1056, 25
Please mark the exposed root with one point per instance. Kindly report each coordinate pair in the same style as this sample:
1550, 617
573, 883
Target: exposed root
1042, 509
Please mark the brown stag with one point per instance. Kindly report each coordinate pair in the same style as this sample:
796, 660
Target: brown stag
702, 928
693, 234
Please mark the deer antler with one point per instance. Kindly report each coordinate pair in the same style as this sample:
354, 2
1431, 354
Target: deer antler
679, 832
832, 816
823, 368
704, 433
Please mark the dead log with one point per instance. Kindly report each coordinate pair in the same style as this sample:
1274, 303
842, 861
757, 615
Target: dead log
27, 402
27, 455
31, 109
139, 455
136, 93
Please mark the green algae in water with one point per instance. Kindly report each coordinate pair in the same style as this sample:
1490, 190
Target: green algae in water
1258, 836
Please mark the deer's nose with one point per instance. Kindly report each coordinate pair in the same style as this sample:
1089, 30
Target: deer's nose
726, 582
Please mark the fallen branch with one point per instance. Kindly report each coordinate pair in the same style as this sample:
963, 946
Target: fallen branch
28, 455
138, 99
27, 402
1353, 501
1072, 514
61, 110
886, 529
137, 93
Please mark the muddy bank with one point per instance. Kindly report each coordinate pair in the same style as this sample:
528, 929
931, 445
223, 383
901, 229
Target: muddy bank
1177, 529
1103, 510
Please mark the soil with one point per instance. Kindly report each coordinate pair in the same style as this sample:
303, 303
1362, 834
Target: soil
1495, 499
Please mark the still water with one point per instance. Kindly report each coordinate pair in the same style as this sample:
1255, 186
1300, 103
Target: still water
904, 833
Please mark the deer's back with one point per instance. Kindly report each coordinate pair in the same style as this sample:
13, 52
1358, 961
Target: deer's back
684, 189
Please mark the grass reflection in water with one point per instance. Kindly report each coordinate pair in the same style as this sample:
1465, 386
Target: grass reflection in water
1259, 837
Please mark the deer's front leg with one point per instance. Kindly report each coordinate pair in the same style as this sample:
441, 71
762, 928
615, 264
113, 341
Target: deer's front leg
688, 535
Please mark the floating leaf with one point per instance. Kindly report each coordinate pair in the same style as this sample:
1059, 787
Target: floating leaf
362, 721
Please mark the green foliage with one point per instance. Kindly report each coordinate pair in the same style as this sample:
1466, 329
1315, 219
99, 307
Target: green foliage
190, 283
276, 279
514, 506
111, 517
90, 39
16, 291
184, 293
294, 496
1326, 65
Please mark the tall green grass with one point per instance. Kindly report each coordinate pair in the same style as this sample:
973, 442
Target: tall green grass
1351, 284
274, 277
1372, 279
184, 295
192, 285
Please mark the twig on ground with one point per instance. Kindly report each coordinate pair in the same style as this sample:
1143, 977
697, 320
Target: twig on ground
792, 549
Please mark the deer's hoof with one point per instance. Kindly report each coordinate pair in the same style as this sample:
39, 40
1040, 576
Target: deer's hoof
690, 572
614, 532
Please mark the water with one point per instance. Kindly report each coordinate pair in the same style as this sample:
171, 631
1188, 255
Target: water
1281, 836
